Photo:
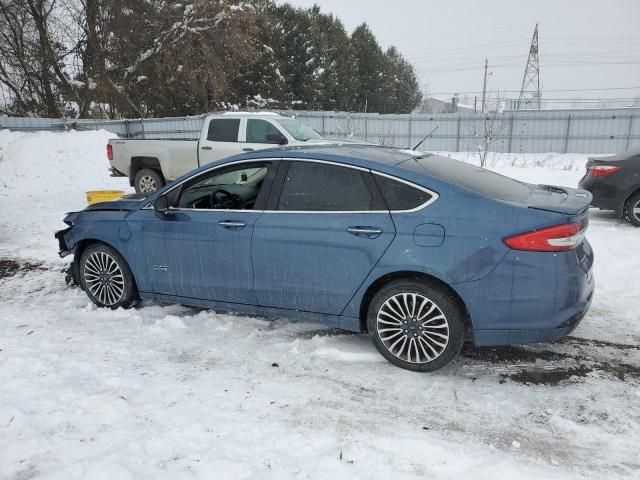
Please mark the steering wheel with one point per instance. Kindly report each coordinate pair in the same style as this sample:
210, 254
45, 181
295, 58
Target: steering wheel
222, 199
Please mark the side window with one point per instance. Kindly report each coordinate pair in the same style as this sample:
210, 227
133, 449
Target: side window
311, 186
230, 188
261, 131
223, 130
400, 196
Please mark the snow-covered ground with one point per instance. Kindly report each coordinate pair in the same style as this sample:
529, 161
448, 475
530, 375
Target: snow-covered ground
173, 392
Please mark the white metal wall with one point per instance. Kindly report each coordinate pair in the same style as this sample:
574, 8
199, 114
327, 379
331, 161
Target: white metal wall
577, 131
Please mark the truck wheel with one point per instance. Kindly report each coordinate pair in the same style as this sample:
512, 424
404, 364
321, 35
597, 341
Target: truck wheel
632, 209
148, 180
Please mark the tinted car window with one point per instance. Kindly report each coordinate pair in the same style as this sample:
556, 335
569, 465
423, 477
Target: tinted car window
257, 131
223, 130
311, 186
469, 176
400, 196
232, 188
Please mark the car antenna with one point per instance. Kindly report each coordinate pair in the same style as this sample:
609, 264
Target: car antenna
425, 138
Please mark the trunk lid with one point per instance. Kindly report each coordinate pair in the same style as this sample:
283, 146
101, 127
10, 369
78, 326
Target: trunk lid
619, 157
565, 200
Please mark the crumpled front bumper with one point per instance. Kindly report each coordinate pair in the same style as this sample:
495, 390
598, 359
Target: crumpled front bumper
72, 271
64, 250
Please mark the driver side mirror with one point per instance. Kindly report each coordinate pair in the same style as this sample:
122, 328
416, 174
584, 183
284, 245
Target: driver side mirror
277, 138
161, 206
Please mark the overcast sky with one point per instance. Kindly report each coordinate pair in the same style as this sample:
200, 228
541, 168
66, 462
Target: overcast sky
584, 44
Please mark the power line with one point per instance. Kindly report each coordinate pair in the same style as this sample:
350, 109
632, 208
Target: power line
514, 43
556, 90
514, 64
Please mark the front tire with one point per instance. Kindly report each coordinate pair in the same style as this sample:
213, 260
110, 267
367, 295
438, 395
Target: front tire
632, 209
148, 180
106, 277
417, 326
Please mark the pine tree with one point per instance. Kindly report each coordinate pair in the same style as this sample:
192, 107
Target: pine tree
333, 79
261, 84
401, 89
369, 68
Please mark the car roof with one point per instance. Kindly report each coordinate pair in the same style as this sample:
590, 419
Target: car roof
349, 153
422, 168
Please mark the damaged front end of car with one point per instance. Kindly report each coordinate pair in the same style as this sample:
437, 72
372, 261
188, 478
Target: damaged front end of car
72, 272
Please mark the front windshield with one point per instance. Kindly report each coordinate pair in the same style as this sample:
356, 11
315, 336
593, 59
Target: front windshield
299, 130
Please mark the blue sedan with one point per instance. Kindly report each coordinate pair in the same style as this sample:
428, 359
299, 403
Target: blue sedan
421, 251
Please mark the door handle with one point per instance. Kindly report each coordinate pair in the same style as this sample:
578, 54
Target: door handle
232, 224
206, 148
369, 232
247, 149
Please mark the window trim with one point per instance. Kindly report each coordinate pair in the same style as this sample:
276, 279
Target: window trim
433, 198
275, 163
275, 189
276, 195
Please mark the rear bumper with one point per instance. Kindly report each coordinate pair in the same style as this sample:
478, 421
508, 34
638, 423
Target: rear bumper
530, 297
487, 338
606, 195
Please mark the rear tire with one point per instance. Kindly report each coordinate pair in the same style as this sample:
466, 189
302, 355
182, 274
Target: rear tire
417, 326
632, 209
148, 180
106, 277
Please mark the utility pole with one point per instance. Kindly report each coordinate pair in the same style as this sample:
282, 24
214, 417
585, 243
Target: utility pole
530, 95
484, 86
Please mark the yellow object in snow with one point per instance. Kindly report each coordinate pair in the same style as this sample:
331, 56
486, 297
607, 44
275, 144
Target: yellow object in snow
97, 196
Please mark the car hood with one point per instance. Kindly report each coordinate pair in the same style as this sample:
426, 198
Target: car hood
126, 203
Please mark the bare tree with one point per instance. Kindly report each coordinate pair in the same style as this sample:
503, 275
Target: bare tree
116, 55
26, 60
34, 57
487, 129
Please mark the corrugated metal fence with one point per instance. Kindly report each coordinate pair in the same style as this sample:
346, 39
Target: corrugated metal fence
576, 131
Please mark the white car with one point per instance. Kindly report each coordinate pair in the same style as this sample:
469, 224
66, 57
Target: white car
149, 164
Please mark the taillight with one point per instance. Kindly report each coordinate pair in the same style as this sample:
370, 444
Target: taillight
558, 238
602, 170
109, 152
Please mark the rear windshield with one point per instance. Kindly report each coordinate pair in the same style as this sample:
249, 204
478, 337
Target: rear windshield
469, 176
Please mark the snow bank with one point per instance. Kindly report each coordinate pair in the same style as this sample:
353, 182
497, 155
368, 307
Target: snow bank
42, 176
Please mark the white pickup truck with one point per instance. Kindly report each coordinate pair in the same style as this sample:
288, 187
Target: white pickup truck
149, 164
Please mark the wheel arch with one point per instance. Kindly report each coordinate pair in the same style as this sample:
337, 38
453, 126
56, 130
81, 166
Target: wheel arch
81, 245
380, 282
140, 162
627, 197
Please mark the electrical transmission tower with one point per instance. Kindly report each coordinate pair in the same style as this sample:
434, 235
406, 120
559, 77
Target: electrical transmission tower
530, 92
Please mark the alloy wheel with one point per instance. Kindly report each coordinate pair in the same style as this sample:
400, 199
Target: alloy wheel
635, 210
104, 278
413, 328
